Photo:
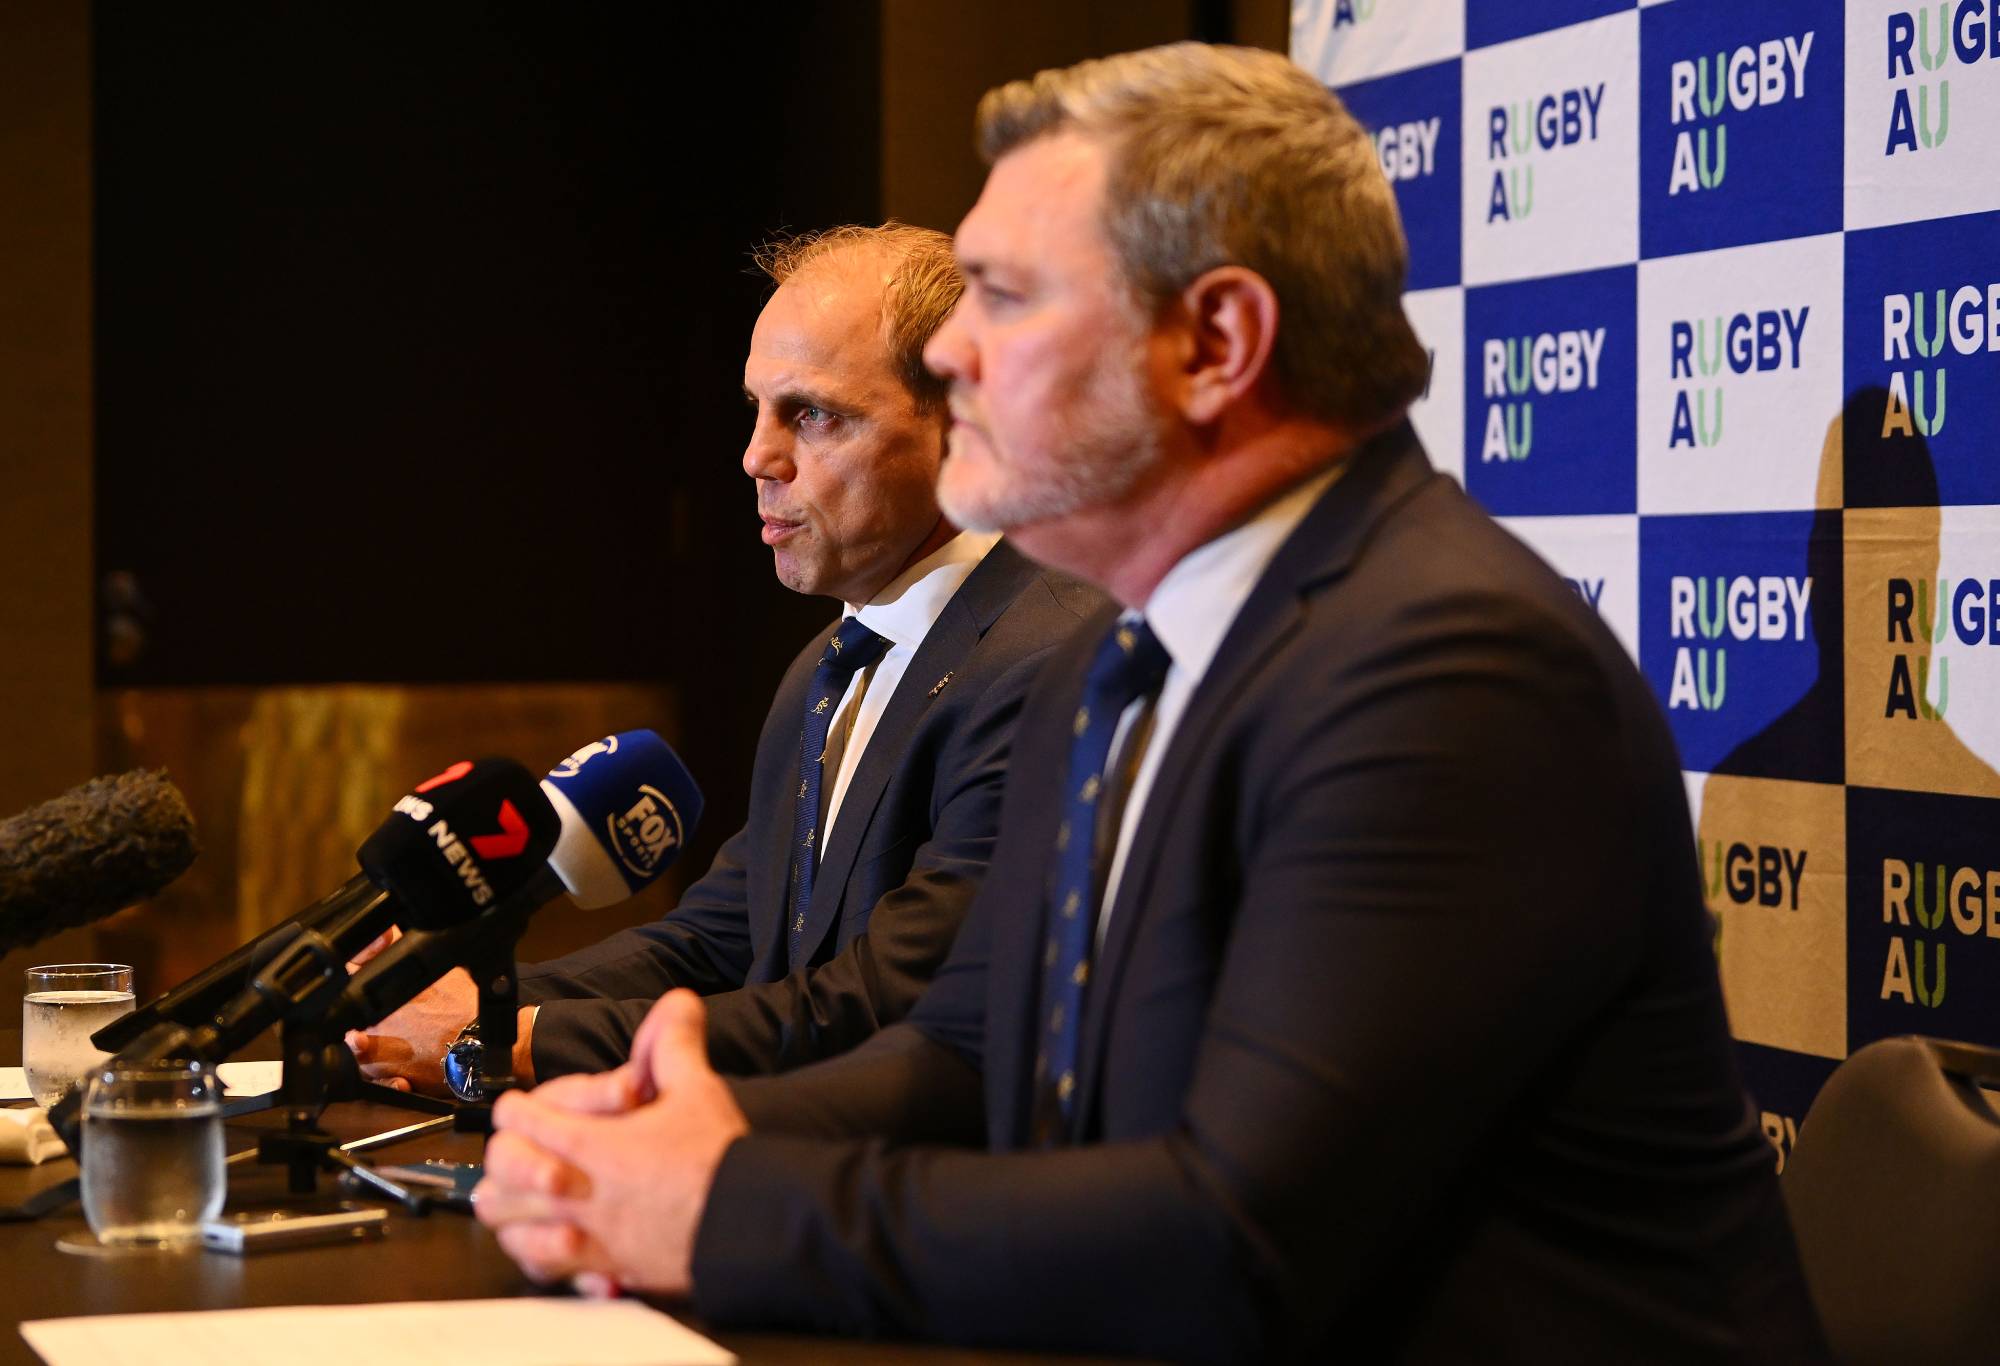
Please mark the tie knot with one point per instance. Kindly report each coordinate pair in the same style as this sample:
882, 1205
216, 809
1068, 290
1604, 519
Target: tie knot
1130, 663
852, 647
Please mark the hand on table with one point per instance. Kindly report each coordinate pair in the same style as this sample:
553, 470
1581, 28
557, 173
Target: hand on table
406, 1049
603, 1178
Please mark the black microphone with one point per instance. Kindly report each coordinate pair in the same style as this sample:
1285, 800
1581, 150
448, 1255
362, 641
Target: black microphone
200, 996
456, 844
89, 853
459, 843
349, 918
626, 805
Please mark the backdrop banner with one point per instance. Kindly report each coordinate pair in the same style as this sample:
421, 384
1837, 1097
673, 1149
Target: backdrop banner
1712, 295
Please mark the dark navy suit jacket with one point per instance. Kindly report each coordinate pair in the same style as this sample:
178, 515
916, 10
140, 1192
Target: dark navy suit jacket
1405, 1042
916, 828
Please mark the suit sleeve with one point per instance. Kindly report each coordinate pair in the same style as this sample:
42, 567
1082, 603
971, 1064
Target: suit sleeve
877, 976
1413, 890
592, 1001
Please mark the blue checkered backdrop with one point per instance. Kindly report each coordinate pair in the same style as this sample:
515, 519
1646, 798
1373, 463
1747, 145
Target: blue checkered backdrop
1712, 292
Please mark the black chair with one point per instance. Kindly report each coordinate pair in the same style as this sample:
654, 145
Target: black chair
1894, 1190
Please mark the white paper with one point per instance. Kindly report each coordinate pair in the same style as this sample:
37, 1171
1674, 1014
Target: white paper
518, 1332
238, 1078
251, 1078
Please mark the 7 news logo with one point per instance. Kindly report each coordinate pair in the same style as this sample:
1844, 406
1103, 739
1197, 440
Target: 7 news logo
1933, 37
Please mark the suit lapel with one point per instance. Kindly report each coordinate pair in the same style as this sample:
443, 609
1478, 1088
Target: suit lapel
1381, 475
979, 601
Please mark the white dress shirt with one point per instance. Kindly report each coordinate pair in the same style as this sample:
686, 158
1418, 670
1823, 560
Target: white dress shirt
1191, 611
903, 614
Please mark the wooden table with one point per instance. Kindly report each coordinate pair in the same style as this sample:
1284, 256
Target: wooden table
444, 1255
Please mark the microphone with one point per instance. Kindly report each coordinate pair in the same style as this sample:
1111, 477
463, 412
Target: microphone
201, 995
350, 917
89, 853
460, 842
626, 804
624, 820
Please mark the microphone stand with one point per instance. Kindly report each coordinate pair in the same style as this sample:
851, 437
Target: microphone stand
307, 986
312, 1036
316, 1071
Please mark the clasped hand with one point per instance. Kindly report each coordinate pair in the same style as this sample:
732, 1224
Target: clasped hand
602, 1178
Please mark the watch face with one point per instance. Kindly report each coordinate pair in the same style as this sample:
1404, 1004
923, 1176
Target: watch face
461, 1069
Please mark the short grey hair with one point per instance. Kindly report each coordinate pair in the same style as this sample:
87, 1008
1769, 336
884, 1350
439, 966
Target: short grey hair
923, 288
1235, 156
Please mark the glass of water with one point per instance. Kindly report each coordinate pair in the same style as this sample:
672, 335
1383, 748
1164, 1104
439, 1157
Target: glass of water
64, 1005
152, 1152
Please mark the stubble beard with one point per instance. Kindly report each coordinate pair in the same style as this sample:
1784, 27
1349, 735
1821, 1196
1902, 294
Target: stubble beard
1098, 453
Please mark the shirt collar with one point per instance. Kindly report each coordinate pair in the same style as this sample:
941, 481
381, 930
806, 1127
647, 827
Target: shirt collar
1195, 604
905, 611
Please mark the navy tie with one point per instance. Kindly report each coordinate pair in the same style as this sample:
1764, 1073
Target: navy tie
853, 647
1130, 664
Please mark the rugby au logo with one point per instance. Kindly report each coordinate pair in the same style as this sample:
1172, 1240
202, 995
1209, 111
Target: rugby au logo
1699, 89
1933, 896
1930, 612
1915, 327
1545, 363
1700, 350
1703, 607
1932, 37
1520, 127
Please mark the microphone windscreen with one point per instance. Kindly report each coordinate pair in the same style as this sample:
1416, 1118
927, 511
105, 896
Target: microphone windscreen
628, 805
461, 841
89, 853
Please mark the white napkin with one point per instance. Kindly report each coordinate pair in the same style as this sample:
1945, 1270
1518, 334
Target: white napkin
26, 1138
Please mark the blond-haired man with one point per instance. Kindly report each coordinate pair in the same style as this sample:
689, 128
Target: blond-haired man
876, 784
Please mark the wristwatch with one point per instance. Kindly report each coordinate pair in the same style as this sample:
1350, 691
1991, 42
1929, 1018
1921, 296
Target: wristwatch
461, 1064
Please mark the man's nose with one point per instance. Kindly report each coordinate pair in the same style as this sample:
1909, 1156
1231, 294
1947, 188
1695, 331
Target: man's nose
949, 353
768, 454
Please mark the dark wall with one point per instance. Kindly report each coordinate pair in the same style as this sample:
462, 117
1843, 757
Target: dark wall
419, 330
419, 333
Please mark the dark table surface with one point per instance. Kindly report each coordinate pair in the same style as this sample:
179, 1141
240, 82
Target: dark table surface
441, 1256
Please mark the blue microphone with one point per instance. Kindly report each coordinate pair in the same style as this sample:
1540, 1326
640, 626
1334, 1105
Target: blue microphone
627, 805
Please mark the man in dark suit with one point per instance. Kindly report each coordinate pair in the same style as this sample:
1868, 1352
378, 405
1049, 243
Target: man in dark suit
875, 789
1341, 987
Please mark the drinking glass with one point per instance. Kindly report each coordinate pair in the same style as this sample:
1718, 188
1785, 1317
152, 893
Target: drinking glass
152, 1152
65, 1003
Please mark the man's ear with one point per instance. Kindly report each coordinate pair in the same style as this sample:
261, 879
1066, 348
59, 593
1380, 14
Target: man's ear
1231, 316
